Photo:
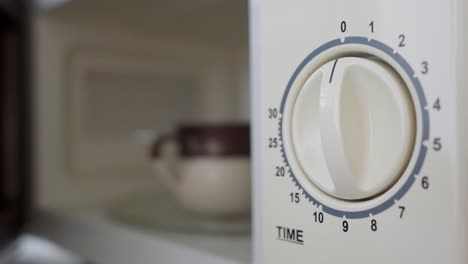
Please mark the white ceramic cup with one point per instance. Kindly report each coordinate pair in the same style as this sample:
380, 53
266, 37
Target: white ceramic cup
207, 168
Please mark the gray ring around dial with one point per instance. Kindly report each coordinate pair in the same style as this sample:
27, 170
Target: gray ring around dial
425, 124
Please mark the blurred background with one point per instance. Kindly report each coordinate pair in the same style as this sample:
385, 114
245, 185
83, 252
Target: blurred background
88, 89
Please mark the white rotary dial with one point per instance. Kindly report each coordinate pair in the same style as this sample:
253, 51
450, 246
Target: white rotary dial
353, 127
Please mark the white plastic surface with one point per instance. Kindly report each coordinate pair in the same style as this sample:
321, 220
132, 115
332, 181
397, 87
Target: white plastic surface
428, 223
354, 127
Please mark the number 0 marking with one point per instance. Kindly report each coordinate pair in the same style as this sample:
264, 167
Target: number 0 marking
343, 26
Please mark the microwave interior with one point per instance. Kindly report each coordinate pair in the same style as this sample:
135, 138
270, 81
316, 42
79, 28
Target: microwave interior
113, 75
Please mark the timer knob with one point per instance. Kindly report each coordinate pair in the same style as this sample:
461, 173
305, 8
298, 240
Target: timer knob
353, 127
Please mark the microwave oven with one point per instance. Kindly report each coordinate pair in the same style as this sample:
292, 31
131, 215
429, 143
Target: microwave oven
360, 127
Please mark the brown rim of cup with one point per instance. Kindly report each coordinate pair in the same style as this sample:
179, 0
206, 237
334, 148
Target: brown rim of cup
209, 140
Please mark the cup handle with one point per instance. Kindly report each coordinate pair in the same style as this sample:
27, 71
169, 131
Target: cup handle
165, 157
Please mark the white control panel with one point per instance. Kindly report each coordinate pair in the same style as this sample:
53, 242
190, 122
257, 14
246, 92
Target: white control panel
359, 123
